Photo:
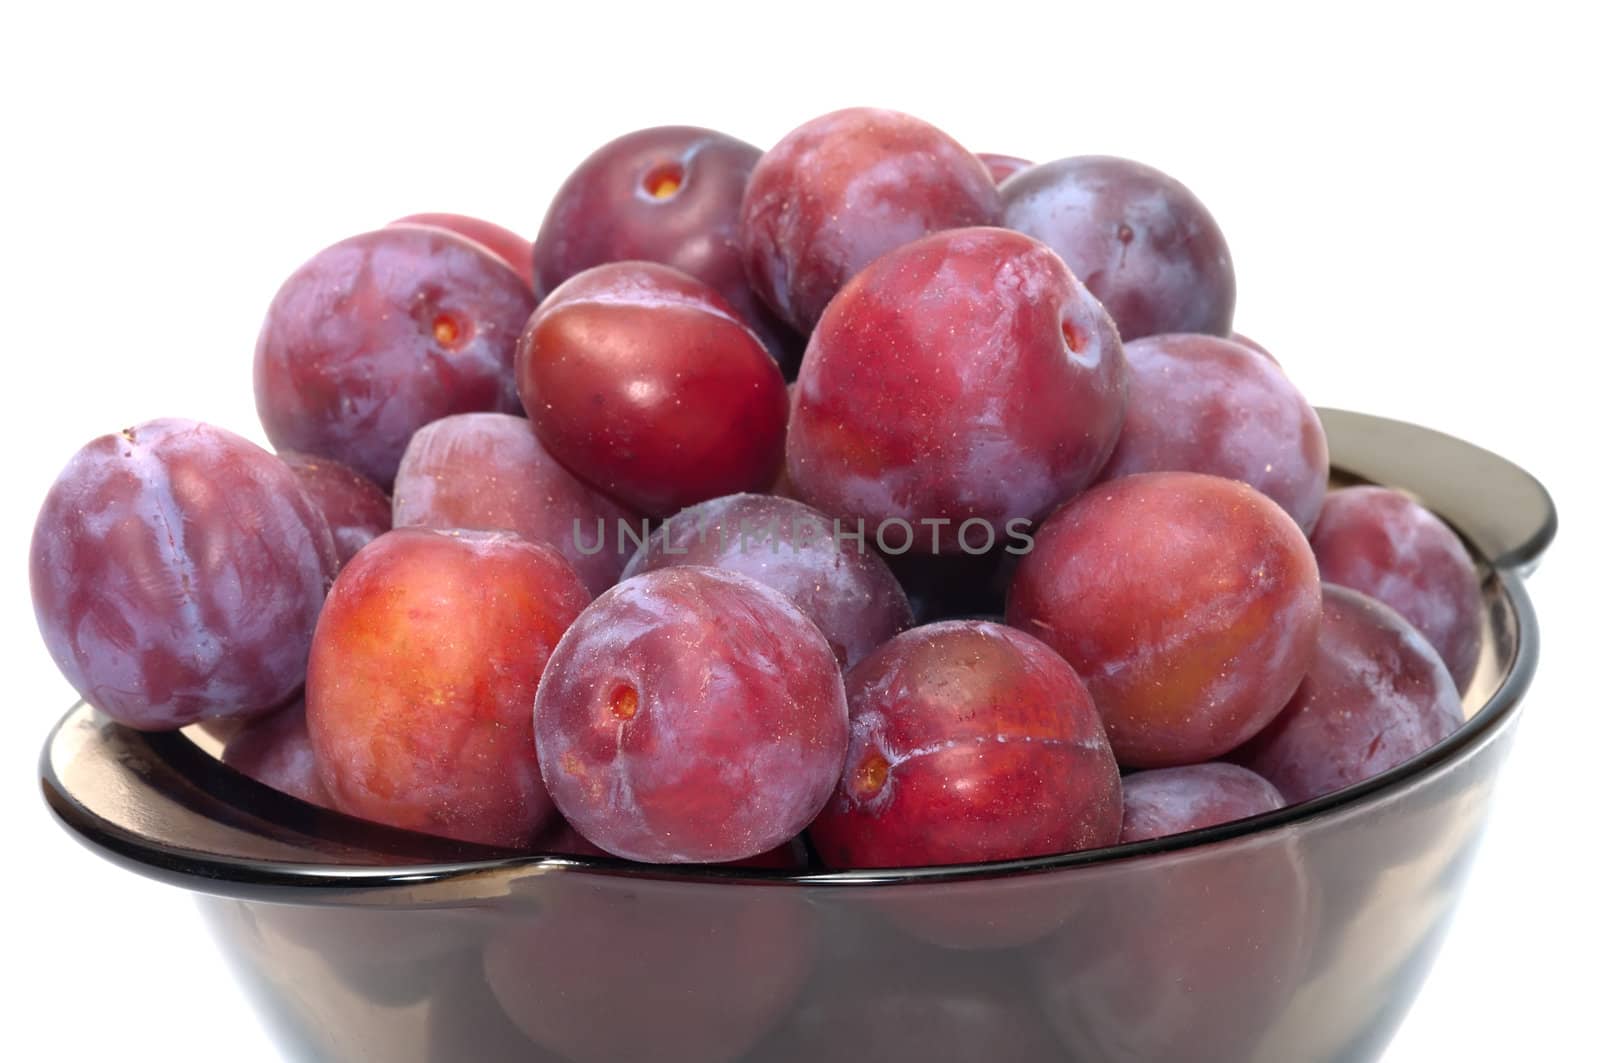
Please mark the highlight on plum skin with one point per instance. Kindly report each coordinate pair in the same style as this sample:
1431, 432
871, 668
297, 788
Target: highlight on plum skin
643, 381
691, 715
1379, 541
423, 674
177, 572
668, 194
1003, 166
1174, 800
514, 250
1199, 403
999, 399
1142, 243
488, 471
356, 509
969, 741
1192, 648
382, 333
1376, 695
850, 594
275, 750
842, 190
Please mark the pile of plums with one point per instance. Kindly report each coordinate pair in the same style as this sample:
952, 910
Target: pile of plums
863, 502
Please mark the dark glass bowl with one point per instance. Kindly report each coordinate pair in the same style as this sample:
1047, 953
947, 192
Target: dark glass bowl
1302, 934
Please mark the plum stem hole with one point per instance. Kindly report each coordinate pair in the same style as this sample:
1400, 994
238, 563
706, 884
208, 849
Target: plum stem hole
623, 702
663, 181
447, 331
1074, 337
872, 775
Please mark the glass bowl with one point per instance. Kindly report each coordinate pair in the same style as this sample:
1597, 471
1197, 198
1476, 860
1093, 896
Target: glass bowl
1300, 934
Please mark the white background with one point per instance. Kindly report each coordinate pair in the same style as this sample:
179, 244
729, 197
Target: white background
1410, 200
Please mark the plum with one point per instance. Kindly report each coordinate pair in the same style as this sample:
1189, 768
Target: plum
423, 672
1003, 166
969, 741
643, 382
276, 751
847, 590
1245, 341
671, 195
1173, 800
381, 333
842, 190
1145, 246
691, 715
962, 382
177, 573
563, 840
488, 471
356, 509
514, 250
1188, 603
1200, 403
1376, 695
1380, 542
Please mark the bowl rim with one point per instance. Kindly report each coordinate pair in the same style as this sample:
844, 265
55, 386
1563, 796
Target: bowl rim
460, 862
1503, 514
